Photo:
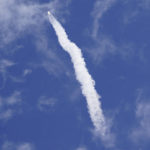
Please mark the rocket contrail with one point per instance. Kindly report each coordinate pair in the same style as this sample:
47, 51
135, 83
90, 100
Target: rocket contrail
83, 76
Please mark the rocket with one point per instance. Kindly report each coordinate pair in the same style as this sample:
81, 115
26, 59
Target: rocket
49, 13
51, 17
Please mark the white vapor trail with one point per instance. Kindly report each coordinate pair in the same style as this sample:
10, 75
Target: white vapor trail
82, 75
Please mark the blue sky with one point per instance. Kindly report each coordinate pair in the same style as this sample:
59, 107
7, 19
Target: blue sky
41, 102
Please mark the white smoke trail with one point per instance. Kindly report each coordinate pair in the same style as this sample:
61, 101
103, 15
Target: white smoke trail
82, 75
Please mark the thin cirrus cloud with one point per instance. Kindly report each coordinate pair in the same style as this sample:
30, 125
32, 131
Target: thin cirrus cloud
81, 148
27, 14
9, 106
103, 44
141, 132
4, 65
100, 7
138, 8
49, 59
105, 48
30, 17
83, 76
46, 104
27, 72
7, 145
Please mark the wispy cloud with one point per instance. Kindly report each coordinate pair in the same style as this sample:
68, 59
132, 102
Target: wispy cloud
81, 148
25, 146
9, 105
28, 16
145, 4
105, 47
4, 65
134, 9
141, 130
100, 7
30, 19
15, 146
49, 59
27, 72
46, 104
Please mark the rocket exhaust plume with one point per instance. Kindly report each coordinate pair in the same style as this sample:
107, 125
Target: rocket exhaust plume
83, 76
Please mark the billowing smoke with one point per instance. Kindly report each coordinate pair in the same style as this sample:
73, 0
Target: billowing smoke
83, 76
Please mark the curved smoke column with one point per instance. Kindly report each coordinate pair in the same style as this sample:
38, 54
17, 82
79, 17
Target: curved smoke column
83, 76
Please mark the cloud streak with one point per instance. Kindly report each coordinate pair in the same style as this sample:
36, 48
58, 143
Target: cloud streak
21, 146
29, 16
30, 20
46, 104
10, 105
82, 75
100, 7
141, 133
